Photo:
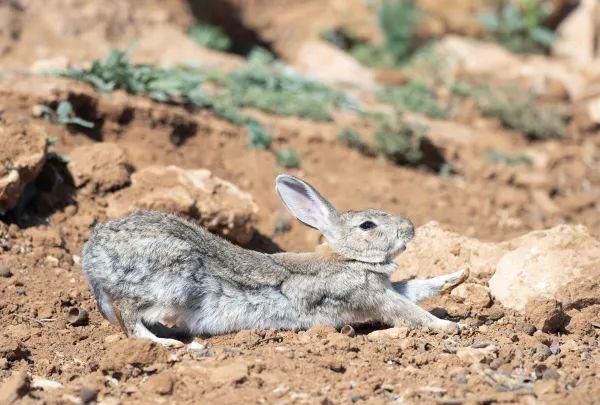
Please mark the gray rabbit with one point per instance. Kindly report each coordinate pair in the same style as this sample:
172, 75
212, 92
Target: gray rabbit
151, 266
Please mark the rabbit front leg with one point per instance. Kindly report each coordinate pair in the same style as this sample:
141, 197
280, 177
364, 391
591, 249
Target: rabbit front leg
419, 290
396, 309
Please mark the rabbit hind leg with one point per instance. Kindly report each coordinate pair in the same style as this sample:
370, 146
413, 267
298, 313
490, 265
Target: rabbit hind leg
131, 322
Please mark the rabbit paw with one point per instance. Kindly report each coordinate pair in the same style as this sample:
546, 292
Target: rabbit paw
170, 343
448, 327
455, 279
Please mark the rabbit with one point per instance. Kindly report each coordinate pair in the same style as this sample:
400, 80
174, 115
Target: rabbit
151, 266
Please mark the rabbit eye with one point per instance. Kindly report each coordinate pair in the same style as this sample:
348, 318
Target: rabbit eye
367, 225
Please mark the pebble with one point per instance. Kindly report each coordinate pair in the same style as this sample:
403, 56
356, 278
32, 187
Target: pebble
5, 271
161, 384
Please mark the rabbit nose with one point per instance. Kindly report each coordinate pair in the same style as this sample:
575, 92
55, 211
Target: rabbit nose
406, 228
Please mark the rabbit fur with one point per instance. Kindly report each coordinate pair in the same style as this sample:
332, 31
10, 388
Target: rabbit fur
153, 266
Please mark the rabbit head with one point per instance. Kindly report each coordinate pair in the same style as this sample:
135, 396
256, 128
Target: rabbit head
370, 235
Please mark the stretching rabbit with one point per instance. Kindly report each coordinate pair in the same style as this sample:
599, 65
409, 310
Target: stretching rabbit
152, 266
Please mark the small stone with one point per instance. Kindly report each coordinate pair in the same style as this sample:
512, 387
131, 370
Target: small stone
235, 372
113, 338
546, 315
469, 355
554, 349
550, 374
45, 384
5, 271
161, 384
87, 394
542, 352
475, 294
391, 333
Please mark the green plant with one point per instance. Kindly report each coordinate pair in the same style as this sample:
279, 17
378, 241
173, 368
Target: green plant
520, 27
398, 20
498, 156
401, 143
258, 137
210, 36
368, 54
273, 87
64, 115
288, 157
518, 110
263, 83
414, 96
350, 138
116, 72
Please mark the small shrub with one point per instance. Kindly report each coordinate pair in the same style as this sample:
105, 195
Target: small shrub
398, 20
402, 144
350, 138
520, 111
413, 96
210, 36
116, 72
258, 137
498, 156
288, 157
273, 87
520, 27
64, 115
263, 83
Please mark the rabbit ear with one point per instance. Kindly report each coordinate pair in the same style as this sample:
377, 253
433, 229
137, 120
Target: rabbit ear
305, 203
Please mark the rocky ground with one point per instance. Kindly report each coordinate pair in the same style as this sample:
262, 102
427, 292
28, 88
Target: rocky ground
528, 233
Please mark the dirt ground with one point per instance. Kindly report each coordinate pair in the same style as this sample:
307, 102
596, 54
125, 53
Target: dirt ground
499, 358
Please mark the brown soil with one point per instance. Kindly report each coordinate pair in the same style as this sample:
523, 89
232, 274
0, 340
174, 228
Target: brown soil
500, 358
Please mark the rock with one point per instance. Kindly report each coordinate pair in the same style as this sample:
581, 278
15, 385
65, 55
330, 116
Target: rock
15, 387
470, 355
576, 34
42, 236
5, 271
101, 166
475, 57
470, 57
45, 384
216, 204
161, 384
22, 157
546, 314
329, 64
475, 294
135, 352
391, 333
87, 394
435, 251
561, 263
